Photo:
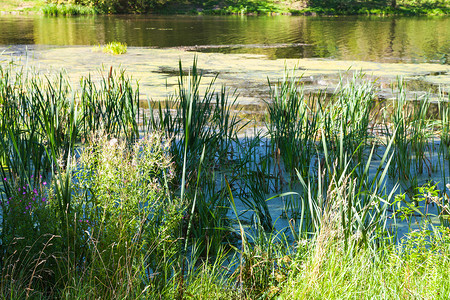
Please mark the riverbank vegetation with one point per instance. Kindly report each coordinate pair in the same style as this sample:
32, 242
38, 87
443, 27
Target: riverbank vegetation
101, 198
55, 10
244, 7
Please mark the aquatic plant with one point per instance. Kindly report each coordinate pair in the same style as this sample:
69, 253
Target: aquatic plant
111, 105
40, 121
116, 48
293, 126
203, 131
412, 131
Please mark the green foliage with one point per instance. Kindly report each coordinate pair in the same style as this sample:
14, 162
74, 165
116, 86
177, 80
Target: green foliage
411, 130
424, 4
25, 215
52, 9
123, 6
293, 125
41, 121
131, 222
171, 6
95, 204
203, 130
116, 48
215, 7
415, 268
380, 7
249, 7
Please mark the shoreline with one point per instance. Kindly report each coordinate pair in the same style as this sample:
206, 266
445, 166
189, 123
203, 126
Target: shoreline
77, 10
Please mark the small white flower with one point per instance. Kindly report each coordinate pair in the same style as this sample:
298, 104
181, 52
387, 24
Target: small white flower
113, 142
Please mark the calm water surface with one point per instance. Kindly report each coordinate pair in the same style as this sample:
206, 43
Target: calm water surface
383, 39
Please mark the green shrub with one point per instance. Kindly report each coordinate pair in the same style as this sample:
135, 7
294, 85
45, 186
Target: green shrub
130, 222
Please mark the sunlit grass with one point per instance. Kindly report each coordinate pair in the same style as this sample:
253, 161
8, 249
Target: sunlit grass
52, 9
21, 5
115, 48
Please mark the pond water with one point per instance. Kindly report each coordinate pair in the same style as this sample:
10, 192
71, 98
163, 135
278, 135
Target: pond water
381, 39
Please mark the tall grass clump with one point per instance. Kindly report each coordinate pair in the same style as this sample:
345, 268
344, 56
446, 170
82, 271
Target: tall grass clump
125, 220
115, 48
347, 120
411, 129
119, 233
52, 9
444, 134
197, 119
422, 136
111, 105
266, 263
202, 130
296, 122
293, 126
359, 200
43, 118
399, 120
414, 268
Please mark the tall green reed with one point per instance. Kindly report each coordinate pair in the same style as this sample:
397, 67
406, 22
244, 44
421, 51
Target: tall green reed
346, 119
41, 124
421, 135
111, 106
292, 126
401, 164
203, 130
358, 199
413, 132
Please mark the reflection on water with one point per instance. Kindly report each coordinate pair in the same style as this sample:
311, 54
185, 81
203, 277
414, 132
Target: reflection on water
393, 39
